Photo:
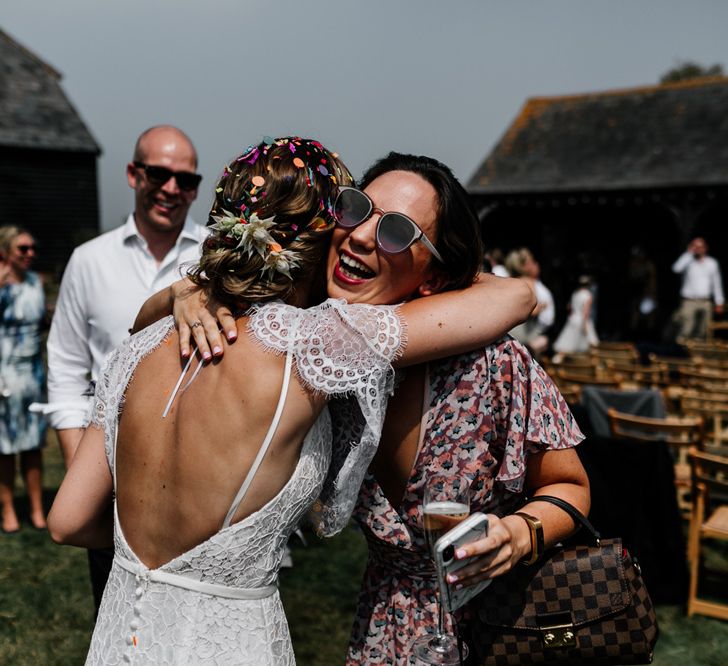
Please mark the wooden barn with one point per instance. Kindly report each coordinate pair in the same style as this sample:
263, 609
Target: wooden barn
47, 158
613, 184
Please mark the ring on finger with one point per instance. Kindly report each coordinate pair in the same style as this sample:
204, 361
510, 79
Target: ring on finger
194, 324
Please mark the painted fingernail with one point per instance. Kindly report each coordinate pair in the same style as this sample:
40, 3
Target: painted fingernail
460, 553
206, 355
232, 335
217, 350
451, 578
185, 353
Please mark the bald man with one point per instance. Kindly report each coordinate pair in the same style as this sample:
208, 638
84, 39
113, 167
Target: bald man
107, 280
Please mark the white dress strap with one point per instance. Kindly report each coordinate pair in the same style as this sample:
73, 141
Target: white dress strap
179, 383
266, 443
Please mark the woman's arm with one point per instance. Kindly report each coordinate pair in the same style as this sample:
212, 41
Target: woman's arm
82, 513
556, 472
439, 325
454, 322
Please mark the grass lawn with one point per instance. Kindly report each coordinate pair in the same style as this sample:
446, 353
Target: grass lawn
46, 609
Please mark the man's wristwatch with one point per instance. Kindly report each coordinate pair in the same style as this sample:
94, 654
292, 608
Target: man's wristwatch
537, 543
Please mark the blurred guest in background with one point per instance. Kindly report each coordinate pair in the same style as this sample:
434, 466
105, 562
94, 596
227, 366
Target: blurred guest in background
701, 291
494, 262
642, 280
578, 334
521, 263
22, 311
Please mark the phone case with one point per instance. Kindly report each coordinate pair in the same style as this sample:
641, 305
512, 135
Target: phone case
474, 527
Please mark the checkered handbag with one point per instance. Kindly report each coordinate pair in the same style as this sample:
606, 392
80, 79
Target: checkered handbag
581, 604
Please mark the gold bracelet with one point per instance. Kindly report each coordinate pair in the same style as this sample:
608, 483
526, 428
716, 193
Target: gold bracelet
535, 527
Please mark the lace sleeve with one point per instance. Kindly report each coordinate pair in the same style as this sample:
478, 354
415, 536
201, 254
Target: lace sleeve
342, 350
339, 349
97, 416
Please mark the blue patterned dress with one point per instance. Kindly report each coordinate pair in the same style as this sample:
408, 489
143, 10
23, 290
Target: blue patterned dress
22, 308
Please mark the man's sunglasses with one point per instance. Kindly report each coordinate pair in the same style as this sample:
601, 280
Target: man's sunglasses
395, 231
158, 175
24, 249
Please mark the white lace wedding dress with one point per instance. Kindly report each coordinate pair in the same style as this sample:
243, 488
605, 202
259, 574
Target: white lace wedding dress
218, 602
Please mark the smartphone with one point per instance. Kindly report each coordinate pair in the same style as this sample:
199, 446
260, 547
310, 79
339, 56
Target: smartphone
473, 528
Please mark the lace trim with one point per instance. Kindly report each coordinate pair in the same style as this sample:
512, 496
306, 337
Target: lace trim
116, 375
340, 350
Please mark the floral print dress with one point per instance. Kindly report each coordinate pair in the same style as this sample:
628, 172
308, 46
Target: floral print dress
22, 378
484, 413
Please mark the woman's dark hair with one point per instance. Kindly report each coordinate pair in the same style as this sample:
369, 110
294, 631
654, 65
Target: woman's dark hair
458, 228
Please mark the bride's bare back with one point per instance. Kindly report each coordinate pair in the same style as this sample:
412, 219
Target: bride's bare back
177, 477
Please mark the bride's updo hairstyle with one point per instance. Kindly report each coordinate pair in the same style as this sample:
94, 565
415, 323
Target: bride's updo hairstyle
271, 221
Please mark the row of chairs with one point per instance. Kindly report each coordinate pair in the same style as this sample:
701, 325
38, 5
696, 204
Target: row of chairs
701, 480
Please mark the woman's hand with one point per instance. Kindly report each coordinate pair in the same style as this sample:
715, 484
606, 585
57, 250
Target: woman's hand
196, 316
507, 543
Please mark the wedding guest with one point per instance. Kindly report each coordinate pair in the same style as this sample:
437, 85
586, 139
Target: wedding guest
108, 278
578, 333
494, 262
534, 332
701, 290
22, 433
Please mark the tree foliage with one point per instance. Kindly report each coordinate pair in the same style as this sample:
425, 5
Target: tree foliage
686, 70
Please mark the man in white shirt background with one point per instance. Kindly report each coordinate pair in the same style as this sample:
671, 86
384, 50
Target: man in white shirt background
108, 278
701, 291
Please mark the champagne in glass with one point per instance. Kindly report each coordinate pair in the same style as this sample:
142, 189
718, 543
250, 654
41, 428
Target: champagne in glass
446, 503
440, 517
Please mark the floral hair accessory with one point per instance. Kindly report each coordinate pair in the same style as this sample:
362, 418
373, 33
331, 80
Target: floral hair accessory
250, 234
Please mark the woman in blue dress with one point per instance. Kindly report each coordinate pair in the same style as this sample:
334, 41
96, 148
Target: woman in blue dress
22, 310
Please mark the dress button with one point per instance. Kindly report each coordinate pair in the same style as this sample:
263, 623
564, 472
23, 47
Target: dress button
134, 624
137, 609
139, 591
127, 658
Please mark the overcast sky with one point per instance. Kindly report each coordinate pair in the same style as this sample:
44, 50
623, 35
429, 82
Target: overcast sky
363, 76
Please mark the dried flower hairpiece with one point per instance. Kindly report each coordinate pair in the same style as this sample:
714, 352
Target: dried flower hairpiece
252, 237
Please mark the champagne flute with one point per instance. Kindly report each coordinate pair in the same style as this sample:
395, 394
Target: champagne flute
446, 503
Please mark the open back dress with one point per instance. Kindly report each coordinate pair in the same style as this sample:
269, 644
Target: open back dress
218, 603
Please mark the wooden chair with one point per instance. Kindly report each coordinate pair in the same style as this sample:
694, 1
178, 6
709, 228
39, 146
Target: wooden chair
715, 327
655, 374
679, 432
615, 346
708, 520
716, 363
602, 354
698, 376
674, 365
713, 407
586, 370
708, 349
606, 380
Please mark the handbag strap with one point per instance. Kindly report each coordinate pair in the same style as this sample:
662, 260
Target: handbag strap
579, 518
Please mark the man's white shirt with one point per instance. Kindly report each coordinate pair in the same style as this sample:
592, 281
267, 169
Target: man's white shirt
105, 283
701, 277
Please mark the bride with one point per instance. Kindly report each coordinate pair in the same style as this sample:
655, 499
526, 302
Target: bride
199, 474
